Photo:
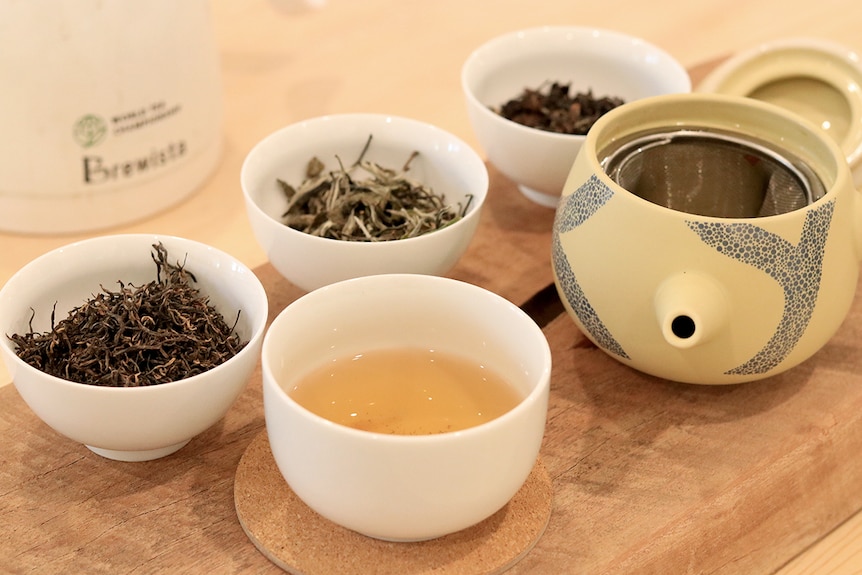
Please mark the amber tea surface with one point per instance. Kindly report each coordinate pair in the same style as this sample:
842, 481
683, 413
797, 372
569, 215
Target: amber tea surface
406, 391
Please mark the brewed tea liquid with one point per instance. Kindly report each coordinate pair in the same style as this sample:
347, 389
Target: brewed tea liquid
405, 391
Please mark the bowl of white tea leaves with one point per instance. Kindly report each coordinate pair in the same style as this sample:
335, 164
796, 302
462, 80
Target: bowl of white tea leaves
351, 195
132, 344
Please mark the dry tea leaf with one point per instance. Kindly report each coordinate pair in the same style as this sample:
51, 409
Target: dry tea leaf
365, 202
556, 110
137, 336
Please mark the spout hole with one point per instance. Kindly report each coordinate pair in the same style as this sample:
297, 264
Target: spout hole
682, 326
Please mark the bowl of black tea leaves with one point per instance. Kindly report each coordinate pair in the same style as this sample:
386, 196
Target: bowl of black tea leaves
132, 344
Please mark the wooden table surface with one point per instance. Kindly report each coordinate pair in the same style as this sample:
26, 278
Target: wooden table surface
403, 57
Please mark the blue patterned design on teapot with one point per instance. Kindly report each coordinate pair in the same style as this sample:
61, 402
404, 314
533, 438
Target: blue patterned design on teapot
797, 269
574, 211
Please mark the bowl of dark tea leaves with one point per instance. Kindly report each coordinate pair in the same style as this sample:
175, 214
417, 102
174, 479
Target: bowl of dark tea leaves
132, 344
532, 95
351, 195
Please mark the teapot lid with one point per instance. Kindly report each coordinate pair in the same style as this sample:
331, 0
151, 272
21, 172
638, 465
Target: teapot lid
817, 79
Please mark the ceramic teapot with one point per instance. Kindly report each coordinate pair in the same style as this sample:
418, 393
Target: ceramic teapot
708, 238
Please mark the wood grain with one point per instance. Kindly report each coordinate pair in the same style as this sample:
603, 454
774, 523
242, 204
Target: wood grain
649, 476
68, 510
670, 478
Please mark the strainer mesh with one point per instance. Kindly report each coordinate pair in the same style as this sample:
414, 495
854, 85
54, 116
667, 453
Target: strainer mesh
711, 174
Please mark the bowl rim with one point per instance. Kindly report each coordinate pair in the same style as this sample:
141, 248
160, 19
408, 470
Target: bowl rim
479, 195
258, 324
536, 394
515, 36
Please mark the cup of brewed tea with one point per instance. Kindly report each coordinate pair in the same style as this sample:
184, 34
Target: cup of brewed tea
403, 406
708, 239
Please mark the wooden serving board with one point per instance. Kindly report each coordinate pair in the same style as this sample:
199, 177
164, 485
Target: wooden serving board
649, 476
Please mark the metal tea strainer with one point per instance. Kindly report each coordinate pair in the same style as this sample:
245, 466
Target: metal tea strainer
711, 173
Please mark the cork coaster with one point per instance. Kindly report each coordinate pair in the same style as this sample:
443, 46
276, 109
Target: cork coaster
302, 542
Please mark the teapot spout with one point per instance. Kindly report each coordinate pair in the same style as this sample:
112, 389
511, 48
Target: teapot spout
690, 307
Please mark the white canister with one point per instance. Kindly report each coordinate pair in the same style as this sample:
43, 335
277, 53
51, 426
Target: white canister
110, 111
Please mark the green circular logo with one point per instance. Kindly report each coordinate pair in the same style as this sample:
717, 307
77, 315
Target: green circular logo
90, 130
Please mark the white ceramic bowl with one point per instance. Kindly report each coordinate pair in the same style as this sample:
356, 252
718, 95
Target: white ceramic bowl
609, 63
815, 78
140, 423
445, 163
405, 487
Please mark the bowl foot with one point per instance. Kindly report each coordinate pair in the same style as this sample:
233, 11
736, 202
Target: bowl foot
142, 455
541, 198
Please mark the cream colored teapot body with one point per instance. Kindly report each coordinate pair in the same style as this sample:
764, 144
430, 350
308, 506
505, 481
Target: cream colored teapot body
700, 298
